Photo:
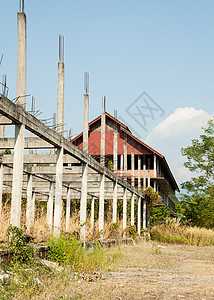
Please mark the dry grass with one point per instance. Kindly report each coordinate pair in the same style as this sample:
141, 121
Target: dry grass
172, 272
40, 230
175, 232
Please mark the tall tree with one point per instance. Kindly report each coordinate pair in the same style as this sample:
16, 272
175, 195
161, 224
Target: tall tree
198, 203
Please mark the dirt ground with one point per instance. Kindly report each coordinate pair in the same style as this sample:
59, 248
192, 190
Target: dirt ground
149, 271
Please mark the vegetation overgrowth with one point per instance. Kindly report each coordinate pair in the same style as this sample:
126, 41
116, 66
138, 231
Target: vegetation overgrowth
175, 232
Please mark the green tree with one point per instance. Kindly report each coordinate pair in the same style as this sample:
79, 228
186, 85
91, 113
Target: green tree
198, 203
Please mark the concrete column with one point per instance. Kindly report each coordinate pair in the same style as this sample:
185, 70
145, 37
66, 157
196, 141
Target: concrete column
139, 216
139, 172
85, 122
68, 209
121, 165
103, 134
144, 214
29, 208
34, 207
84, 184
92, 214
124, 209
132, 209
115, 202
125, 158
58, 192
101, 205
50, 206
144, 172
83, 202
155, 165
18, 157
155, 185
115, 149
148, 178
1, 186
132, 167
60, 97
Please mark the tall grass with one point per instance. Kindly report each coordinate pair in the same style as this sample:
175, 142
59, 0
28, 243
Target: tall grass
175, 232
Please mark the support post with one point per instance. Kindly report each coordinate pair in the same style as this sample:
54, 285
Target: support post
1, 186
155, 165
84, 184
18, 157
115, 202
139, 172
132, 167
92, 214
115, 149
58, 192
125, 157
60, 87
29, 209
68, 209
132, 209
50, 206
103, 133
101, 205
144, 214
83, 202
124, 211
139, 216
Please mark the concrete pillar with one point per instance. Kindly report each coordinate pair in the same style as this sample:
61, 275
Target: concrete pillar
92, 214
68, 209
115, 149
139, 172
132, 168
18, 157
58, 192
139, 216
155, 185
50, 206
84, 184
125, 158
155, 165
60, 97
144, 214
144, 172
1, 186
29, 208
103, 133
124, 210
115, 202
132, 209
34, 207
101, 205
83, 202
148, 178
121, 165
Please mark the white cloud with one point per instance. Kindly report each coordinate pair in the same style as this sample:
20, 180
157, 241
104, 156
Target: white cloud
177, 131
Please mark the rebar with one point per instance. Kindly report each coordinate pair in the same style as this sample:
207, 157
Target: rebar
86, 83
61, 48
21, 5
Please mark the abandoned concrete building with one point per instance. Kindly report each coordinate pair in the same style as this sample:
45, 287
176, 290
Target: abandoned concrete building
104, 162
125, 155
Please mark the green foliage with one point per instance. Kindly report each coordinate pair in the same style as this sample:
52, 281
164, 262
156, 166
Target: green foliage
22, 251
159, 214
151, 197
7, 151
132, 231
198, 203
69, 251
110, 165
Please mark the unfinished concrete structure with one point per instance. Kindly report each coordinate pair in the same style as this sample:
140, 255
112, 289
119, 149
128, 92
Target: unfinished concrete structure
40, 177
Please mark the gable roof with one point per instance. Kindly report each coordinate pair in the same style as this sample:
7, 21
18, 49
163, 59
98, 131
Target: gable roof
125, 129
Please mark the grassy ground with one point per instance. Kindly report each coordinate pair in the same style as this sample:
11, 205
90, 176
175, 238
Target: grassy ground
144, 271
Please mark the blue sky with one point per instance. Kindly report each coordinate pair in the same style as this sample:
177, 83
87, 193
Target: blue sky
164, 48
